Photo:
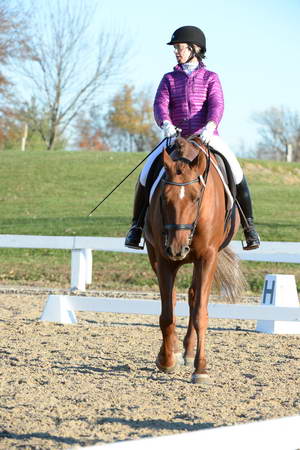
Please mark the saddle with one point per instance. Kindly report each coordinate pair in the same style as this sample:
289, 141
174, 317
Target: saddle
154, 177
230, 217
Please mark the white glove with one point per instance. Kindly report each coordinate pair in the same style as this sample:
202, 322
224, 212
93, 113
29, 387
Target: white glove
207, 132
168, 129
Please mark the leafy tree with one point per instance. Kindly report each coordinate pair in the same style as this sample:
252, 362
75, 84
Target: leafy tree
89, 137
10, 130
279, 134
130, 121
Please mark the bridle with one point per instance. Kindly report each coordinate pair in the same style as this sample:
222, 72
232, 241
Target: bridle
202, 180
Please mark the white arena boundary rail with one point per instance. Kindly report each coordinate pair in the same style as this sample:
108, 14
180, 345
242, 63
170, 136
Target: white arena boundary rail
278, 313
270, 318
274, 434
81, 248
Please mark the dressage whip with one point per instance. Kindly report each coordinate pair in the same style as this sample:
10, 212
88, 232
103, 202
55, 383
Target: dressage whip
116, 187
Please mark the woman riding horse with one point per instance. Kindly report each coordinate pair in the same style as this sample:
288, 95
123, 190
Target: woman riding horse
191, 98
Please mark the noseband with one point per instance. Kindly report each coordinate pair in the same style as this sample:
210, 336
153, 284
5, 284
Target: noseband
201, 179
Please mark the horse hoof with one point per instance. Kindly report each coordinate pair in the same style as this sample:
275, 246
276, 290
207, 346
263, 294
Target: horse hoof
200, 378
165, 369
179, 358
189, 362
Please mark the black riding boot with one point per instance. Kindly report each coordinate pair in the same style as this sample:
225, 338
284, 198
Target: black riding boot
134, 235
244, 199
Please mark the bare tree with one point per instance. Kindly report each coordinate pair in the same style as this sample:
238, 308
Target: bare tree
280, 134
69, 66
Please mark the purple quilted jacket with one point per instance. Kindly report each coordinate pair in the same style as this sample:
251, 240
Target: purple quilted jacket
189, 101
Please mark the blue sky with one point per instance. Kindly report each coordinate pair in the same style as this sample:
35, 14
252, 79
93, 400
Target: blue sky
254, 46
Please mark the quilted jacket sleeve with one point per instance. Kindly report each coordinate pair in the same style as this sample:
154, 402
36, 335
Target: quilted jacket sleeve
215, 99
161, 102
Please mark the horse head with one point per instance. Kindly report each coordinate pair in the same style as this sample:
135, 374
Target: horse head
181, 195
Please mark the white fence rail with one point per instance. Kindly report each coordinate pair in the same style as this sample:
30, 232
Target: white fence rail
62, 308
82, 246
278, 313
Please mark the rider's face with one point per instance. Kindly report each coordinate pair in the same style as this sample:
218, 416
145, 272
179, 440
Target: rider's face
182, 53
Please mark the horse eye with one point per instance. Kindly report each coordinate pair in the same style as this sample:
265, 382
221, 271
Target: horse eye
178, 172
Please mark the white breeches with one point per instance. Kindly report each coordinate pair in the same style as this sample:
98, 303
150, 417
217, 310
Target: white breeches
215, 142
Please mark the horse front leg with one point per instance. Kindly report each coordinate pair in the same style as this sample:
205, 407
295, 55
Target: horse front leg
190, 337
206, 269
168, 355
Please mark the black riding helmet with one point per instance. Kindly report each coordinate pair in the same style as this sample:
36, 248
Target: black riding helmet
190, 35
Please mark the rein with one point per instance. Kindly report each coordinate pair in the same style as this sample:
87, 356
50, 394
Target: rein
202, 180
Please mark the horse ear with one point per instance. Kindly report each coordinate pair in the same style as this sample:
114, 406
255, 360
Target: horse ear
167, 160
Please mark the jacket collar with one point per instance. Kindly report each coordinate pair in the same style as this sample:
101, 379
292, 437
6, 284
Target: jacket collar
179, 67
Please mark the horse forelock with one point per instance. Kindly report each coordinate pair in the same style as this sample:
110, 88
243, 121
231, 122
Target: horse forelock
184, 151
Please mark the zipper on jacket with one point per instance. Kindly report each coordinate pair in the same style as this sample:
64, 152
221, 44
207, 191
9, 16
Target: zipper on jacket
188, 103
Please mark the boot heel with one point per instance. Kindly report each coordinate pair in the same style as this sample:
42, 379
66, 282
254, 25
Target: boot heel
134, 237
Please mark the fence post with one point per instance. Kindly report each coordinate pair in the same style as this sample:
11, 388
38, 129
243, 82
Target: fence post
88, 265
25, 133
289, 153
78, 269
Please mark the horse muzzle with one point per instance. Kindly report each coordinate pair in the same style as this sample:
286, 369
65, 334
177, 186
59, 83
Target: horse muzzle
177, 248
176, 253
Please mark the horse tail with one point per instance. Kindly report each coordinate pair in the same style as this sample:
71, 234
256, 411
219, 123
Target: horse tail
229, 278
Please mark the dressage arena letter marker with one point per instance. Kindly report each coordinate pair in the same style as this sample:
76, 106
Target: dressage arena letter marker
280, 290
268, 291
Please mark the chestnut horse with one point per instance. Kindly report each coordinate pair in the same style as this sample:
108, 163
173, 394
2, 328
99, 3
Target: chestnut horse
185, 223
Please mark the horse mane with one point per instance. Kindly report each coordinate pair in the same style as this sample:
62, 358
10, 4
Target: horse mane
180, 145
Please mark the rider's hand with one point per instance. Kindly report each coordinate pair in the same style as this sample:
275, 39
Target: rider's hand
207, 132
168, 129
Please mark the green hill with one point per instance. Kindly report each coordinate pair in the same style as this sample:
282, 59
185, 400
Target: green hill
51, 193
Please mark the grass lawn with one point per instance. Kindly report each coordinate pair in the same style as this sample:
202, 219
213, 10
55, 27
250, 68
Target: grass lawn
51, 193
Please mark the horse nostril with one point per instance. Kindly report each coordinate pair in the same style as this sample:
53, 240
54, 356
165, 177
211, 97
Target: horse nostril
184, 250
169, 251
